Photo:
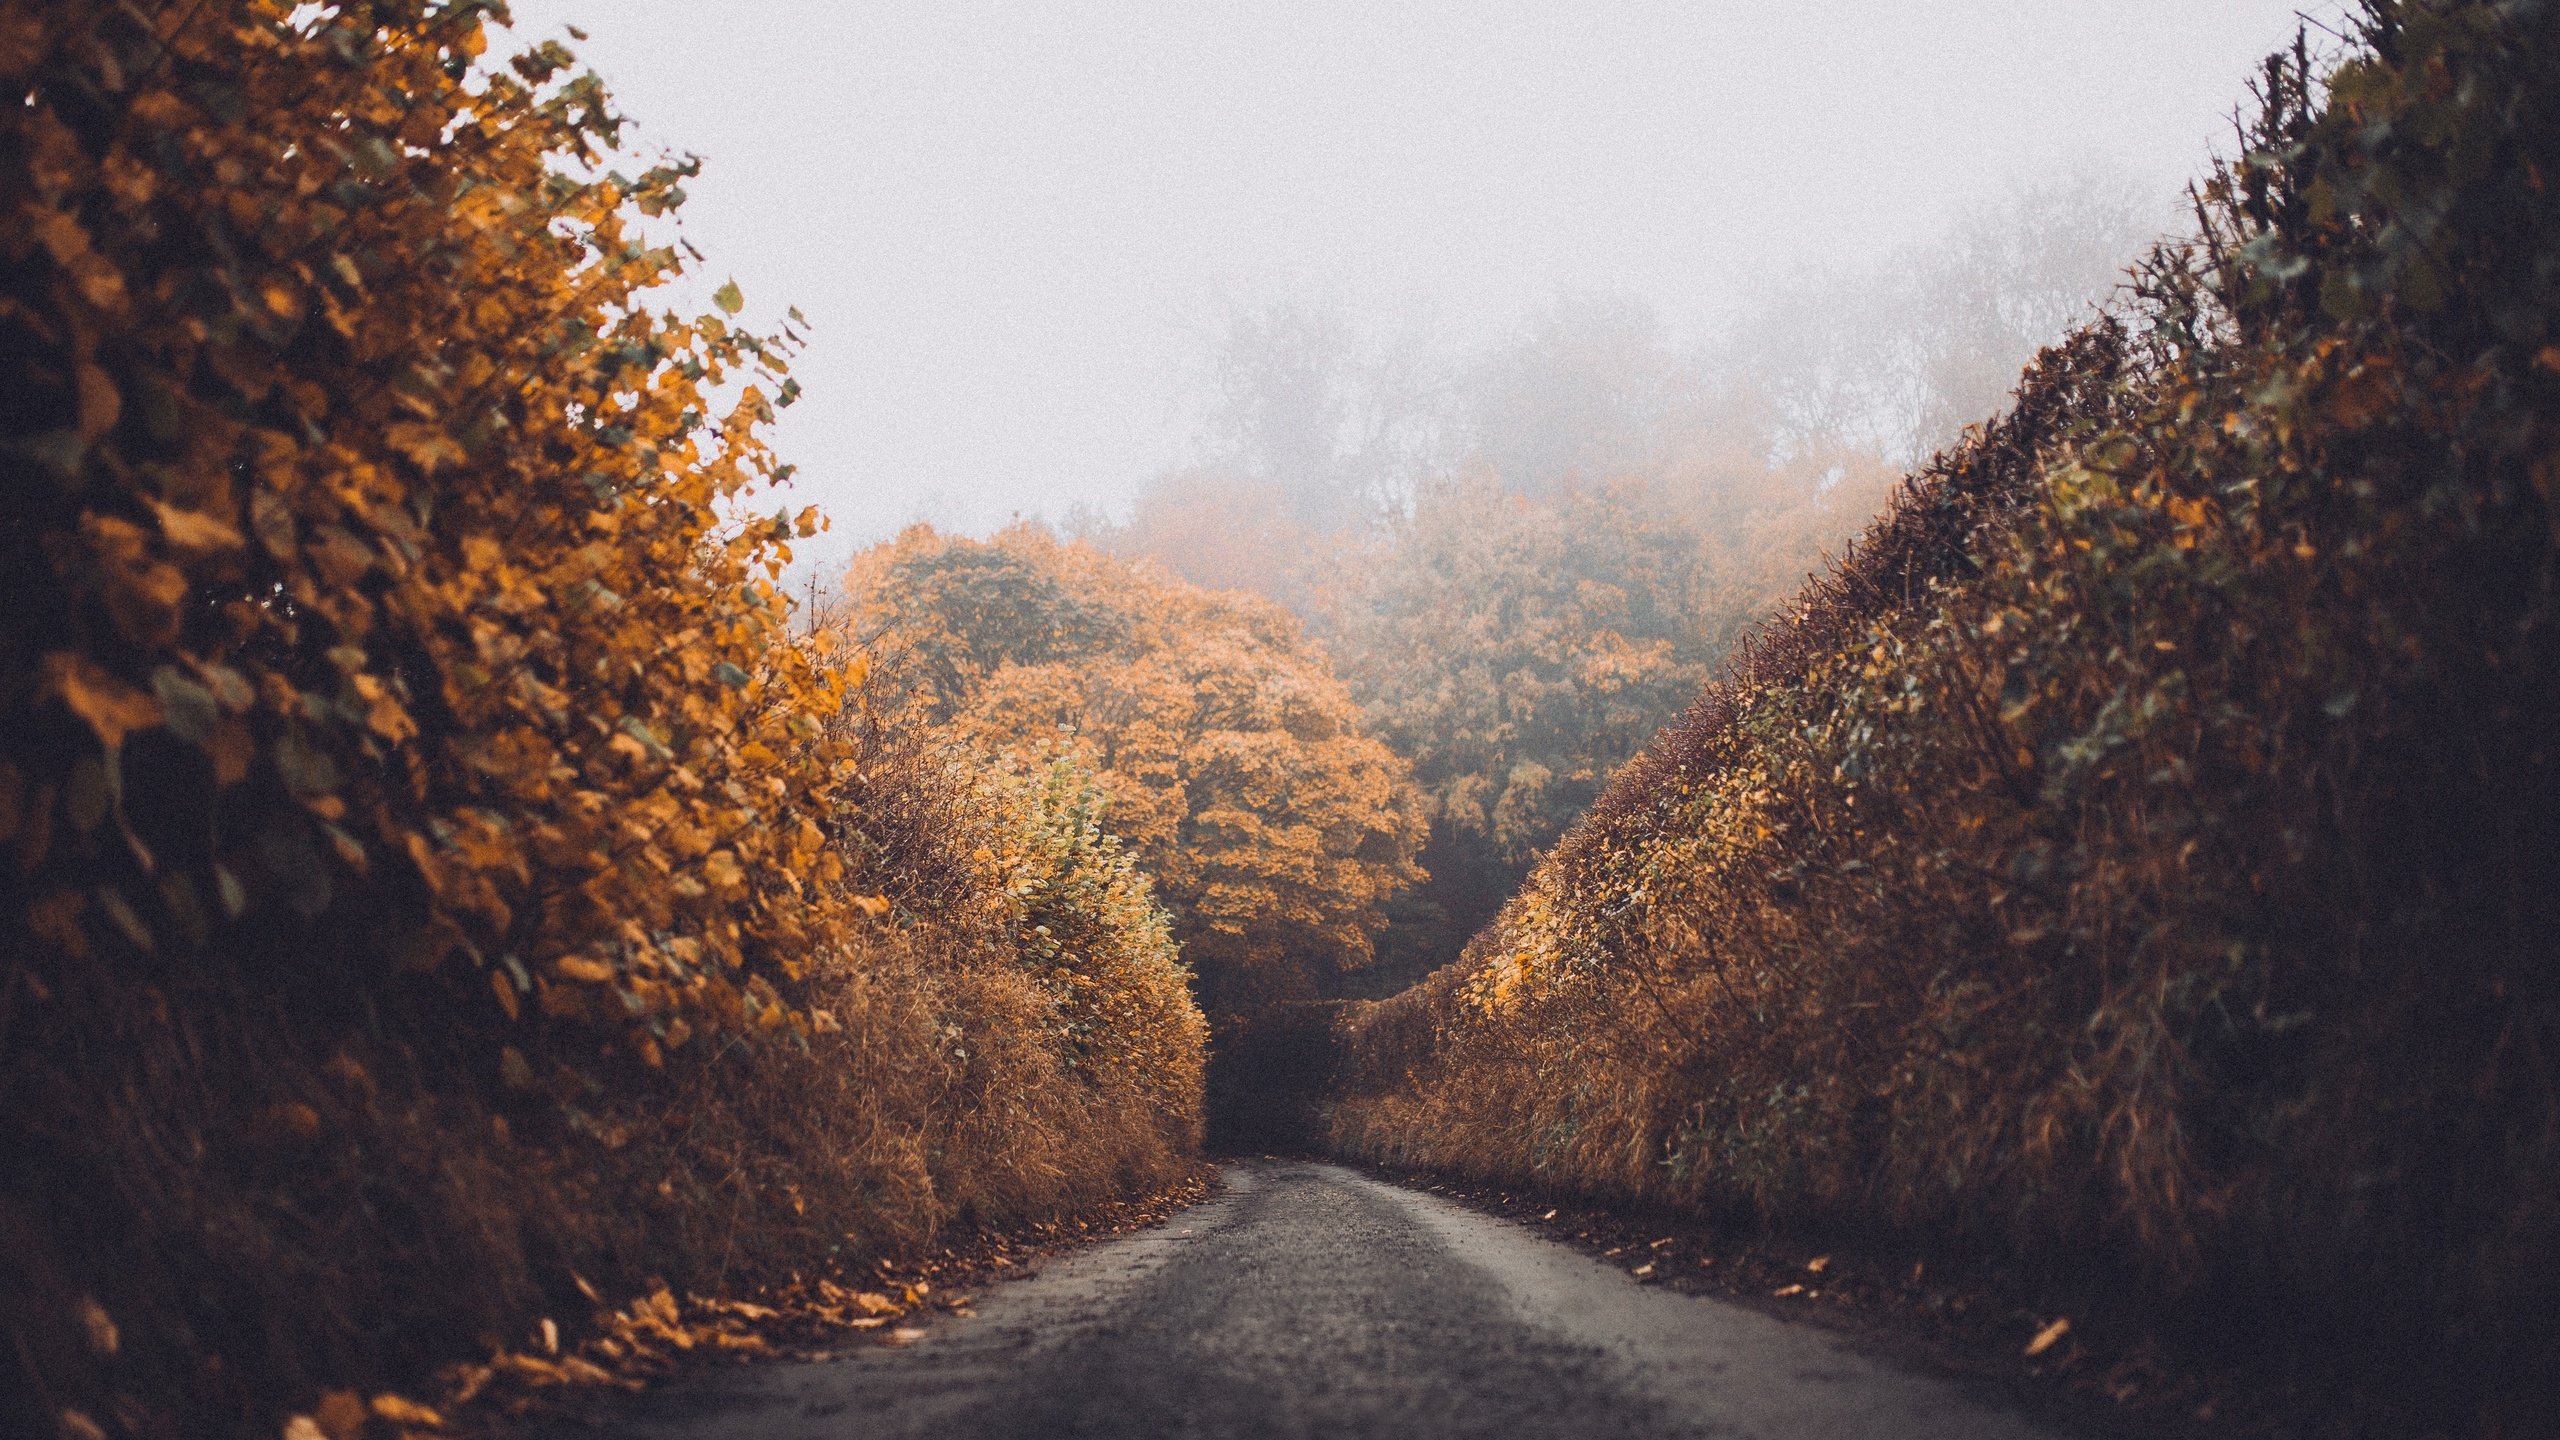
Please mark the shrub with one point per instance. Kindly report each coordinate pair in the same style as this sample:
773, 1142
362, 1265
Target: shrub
2140, 853
426, 893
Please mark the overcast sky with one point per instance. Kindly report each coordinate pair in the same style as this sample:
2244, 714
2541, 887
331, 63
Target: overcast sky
1014, 225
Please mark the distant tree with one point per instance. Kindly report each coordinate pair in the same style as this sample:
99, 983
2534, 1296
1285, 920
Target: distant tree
1516, 651
1583, 394
1331, 421
1220, 530
1900, 362
1527, 570
1232, 760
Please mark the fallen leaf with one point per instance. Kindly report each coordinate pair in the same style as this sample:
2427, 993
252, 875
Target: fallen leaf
905, 1335
2046, 1336
1787, 1290
1818, 1264
342, 1414
400, 1410
196, 532
98, 1326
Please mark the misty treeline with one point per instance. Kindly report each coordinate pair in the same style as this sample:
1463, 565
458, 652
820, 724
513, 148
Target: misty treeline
1526, 560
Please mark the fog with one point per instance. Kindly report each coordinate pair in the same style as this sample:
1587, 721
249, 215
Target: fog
1024, 234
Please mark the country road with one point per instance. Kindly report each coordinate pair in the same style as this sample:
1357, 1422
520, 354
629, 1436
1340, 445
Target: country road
1309, 1300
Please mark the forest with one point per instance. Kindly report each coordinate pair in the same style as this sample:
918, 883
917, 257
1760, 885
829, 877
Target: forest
2046, 756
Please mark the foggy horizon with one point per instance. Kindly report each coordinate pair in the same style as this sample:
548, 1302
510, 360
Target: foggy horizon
1018, 238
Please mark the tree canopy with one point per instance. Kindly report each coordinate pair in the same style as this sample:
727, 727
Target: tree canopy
1232, 759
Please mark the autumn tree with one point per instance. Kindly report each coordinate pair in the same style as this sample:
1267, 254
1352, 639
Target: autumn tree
1233, 762
1515, 651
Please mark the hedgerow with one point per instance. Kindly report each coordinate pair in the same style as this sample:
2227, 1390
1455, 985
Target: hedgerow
429, 894
2142, 853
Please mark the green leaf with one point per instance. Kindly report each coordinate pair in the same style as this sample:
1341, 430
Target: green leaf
189, 706
729, 298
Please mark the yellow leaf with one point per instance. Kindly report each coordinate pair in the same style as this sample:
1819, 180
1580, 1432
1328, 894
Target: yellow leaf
195, 532
98, 1326
721, 868
427, 446
112, 708
583, 967
2046, 1337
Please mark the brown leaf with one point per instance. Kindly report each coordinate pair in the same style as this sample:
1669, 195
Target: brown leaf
403, 1410
98, 1327
100, 405
342, 1413
112, 708
195, 532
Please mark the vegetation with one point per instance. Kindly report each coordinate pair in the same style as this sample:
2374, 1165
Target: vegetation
440, 896
439, 891
1232, 761
1516, 653
2138, 854
1525, 563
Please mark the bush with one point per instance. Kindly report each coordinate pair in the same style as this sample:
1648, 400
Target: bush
2142, 854
427, 892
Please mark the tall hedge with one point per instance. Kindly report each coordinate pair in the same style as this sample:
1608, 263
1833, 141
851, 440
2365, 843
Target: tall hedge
424, 852
2142, 855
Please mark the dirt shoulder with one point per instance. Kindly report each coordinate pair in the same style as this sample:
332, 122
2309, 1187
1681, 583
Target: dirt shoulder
2101, 1369
623, 1354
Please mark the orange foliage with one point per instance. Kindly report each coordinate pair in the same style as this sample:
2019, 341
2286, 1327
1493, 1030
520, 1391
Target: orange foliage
404, 762
2141, 854
1232, 759
377, 538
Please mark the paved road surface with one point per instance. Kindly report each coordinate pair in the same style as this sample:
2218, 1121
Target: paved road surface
1309, 1300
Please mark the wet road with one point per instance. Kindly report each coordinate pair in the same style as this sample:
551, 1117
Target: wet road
1309, 1300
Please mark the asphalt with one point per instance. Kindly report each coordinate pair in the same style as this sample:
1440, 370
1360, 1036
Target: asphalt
1310, 1300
